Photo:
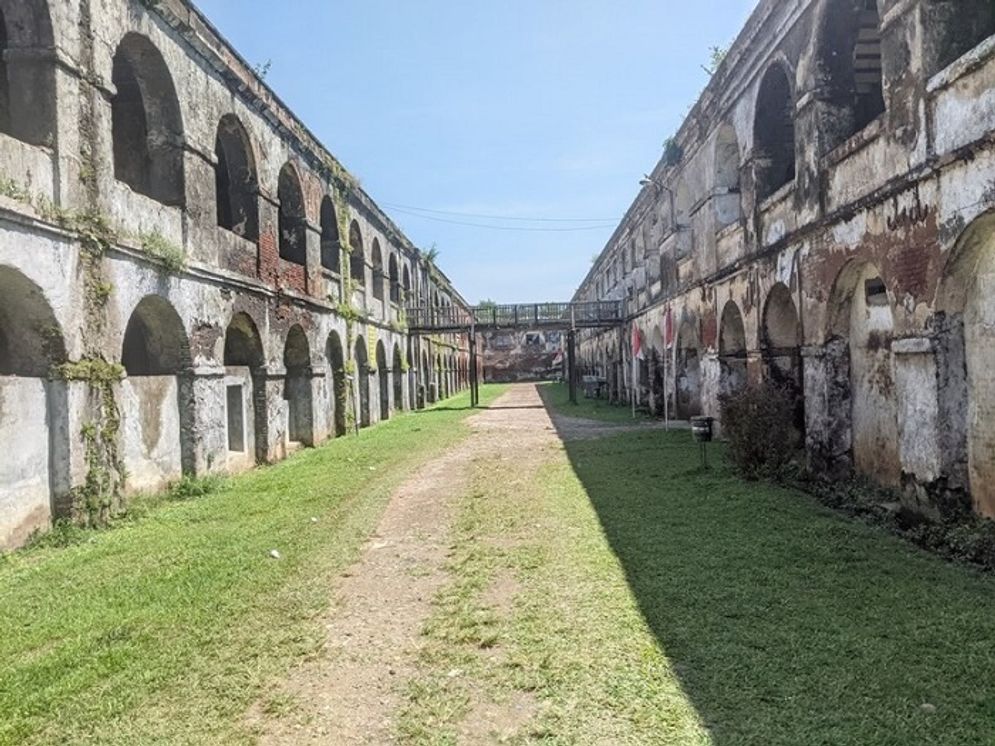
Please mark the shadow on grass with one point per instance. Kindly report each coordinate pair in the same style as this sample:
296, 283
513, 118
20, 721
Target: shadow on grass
787, 623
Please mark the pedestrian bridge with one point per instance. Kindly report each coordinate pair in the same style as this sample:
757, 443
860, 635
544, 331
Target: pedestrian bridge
552, 316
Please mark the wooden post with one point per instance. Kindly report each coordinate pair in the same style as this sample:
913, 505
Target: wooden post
474, 382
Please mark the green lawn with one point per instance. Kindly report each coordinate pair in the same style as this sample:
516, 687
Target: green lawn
557, 396
658, 604
164, 629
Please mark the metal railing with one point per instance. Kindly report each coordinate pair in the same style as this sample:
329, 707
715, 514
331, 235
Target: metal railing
522, 315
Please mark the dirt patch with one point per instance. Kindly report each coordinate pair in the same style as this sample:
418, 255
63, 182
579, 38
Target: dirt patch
500, 595
499, 722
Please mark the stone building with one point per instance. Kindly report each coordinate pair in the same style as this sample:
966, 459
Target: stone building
824, 217
511, 355
189, 282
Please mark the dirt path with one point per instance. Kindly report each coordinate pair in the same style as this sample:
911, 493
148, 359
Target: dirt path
350, 693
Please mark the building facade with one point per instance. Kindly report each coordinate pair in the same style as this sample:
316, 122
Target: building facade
824, 218
189, 282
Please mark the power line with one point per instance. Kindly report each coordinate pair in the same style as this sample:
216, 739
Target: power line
499, 217
522, 229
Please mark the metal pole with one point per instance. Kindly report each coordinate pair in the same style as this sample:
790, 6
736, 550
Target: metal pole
572, 382
474, 384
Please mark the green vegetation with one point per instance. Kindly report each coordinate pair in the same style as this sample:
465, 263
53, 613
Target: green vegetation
657, 603
158, 246
557, 397
164, 628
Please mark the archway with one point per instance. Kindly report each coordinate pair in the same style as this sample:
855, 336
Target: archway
966, 326
236, 188
292, 219
147, 127
848, 64
440, 378
357, 256
774, 132
376, 259
728, 207
330, 250
394, 279
157, 421
687, 370
861, 316
425, 372
398, 376
732, 350
781, 345
339, 389
34, 472
297, 387
245, 391
362, 362
383, 381
27, 82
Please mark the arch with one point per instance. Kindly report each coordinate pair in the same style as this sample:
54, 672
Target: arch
155, 342
376, 260
27, 72
236, 187
393, 279
156, 403
331, 254
362, 381
146, 122
357, 255
774, 132
965, 324
862, 322
292, 218
297, 387
954, 27
781, 339
848, 67
406, 285
245, 389
383, 381
336, 369
440, 382
728, 208
34, 471
398, 377
732, 349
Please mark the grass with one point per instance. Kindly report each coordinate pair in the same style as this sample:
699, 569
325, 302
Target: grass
165, 629
557, 397
658, 603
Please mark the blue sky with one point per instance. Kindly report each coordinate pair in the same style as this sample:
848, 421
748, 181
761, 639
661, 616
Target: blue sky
519, 109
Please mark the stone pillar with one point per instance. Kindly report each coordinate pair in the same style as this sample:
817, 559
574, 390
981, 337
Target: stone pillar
322, 412
202, 393
272, 380
828, 417
754, 367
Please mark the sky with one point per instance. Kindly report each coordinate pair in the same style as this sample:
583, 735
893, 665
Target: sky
510, 135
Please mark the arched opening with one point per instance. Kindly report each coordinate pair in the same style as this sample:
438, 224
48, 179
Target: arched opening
245, 392
953, 28
849, 67
774, 133
156, 406
393, 279
292, 218
727, 177
383, 381
357, 255
236, 187
406, 285
330, 250
378, 274
452, 375
297, 387
363, 381
27, 72
782, 339
146, 122
398, 378
339, 389
965, 323
34, 468
732, 350
440, 378
861, 317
